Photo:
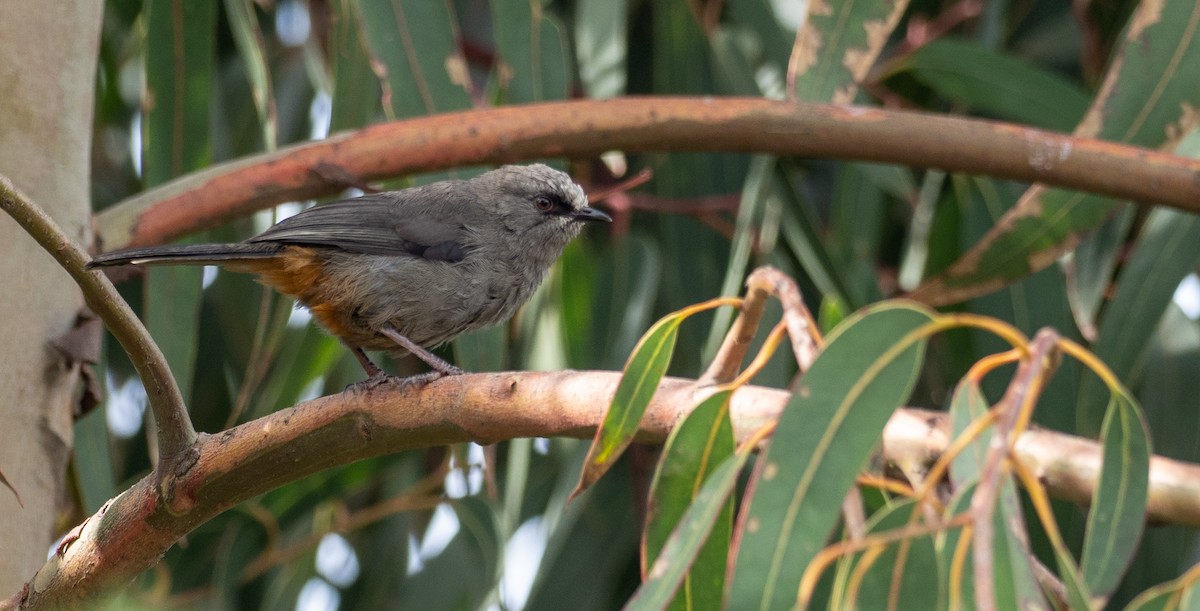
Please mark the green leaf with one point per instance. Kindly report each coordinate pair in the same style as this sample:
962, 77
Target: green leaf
1078, 594
1014, 584
1167, 394
947, 546
1036, 301
412, 44
838, 44
302, 356
1148, 93
833, 312
857, 222
967, 405
750, 210
1000, 85
736, 69
639, 381
93, 461
248, 36
917, 585
1182, 593
600, 46
697, 445
532, 62
355, 99
824, 437
460, 576
758, 19
803, 230
667, 573
1094, 263
1118, 508
916, 257
1168, 248
179, 76
608, 298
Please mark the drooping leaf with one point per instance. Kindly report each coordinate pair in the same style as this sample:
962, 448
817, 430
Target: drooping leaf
998, 84
532, 62
665, 576
355, 96
414, 50
966, 405
1117, 513
1176, 595
601, 46
824, 437
885, 584
838, 44
639, 381
179, 74
1014, 584
248, 35
1146, 99
1168, 248
694, 449
1031, 303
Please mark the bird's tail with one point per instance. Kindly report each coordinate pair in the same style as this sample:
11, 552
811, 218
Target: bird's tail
187, 254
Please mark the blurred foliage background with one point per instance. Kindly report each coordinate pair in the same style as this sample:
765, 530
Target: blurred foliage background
228, 79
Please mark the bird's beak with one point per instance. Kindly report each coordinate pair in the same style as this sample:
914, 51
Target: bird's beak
588, 213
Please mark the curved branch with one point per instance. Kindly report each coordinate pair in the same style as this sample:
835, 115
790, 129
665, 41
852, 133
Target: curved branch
175, 432
588, 127
131, 532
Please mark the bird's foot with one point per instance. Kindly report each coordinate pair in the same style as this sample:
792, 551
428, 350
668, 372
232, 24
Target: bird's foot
403, 383
447, 369
371, 383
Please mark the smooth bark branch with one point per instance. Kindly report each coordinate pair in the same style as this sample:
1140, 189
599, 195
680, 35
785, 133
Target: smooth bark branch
587, 127
175, 433
131, 532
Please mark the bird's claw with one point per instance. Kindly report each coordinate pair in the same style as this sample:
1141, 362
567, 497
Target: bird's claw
449, 370
417, 380
371, 383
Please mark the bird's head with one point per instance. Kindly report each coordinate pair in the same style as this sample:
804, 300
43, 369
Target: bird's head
538, 205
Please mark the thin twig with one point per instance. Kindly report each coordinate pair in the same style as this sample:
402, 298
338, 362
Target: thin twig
175, 433
1026, 386
692, 206
725, 365
802, 328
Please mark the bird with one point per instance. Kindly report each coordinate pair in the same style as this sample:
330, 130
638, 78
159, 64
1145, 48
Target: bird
405, 271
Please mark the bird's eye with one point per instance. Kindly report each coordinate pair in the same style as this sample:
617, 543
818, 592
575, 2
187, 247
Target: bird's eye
544, 203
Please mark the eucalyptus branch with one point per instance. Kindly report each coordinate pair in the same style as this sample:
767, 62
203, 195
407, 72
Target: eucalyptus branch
132, 531
175, 433
588, 127
801, 328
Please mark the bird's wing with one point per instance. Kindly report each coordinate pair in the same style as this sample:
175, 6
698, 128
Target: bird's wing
380, 224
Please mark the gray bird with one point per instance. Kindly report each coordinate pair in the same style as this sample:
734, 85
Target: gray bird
404, 271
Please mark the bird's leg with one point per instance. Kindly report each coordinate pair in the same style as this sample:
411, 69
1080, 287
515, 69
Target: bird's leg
375, 375
437, 363
368, 365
